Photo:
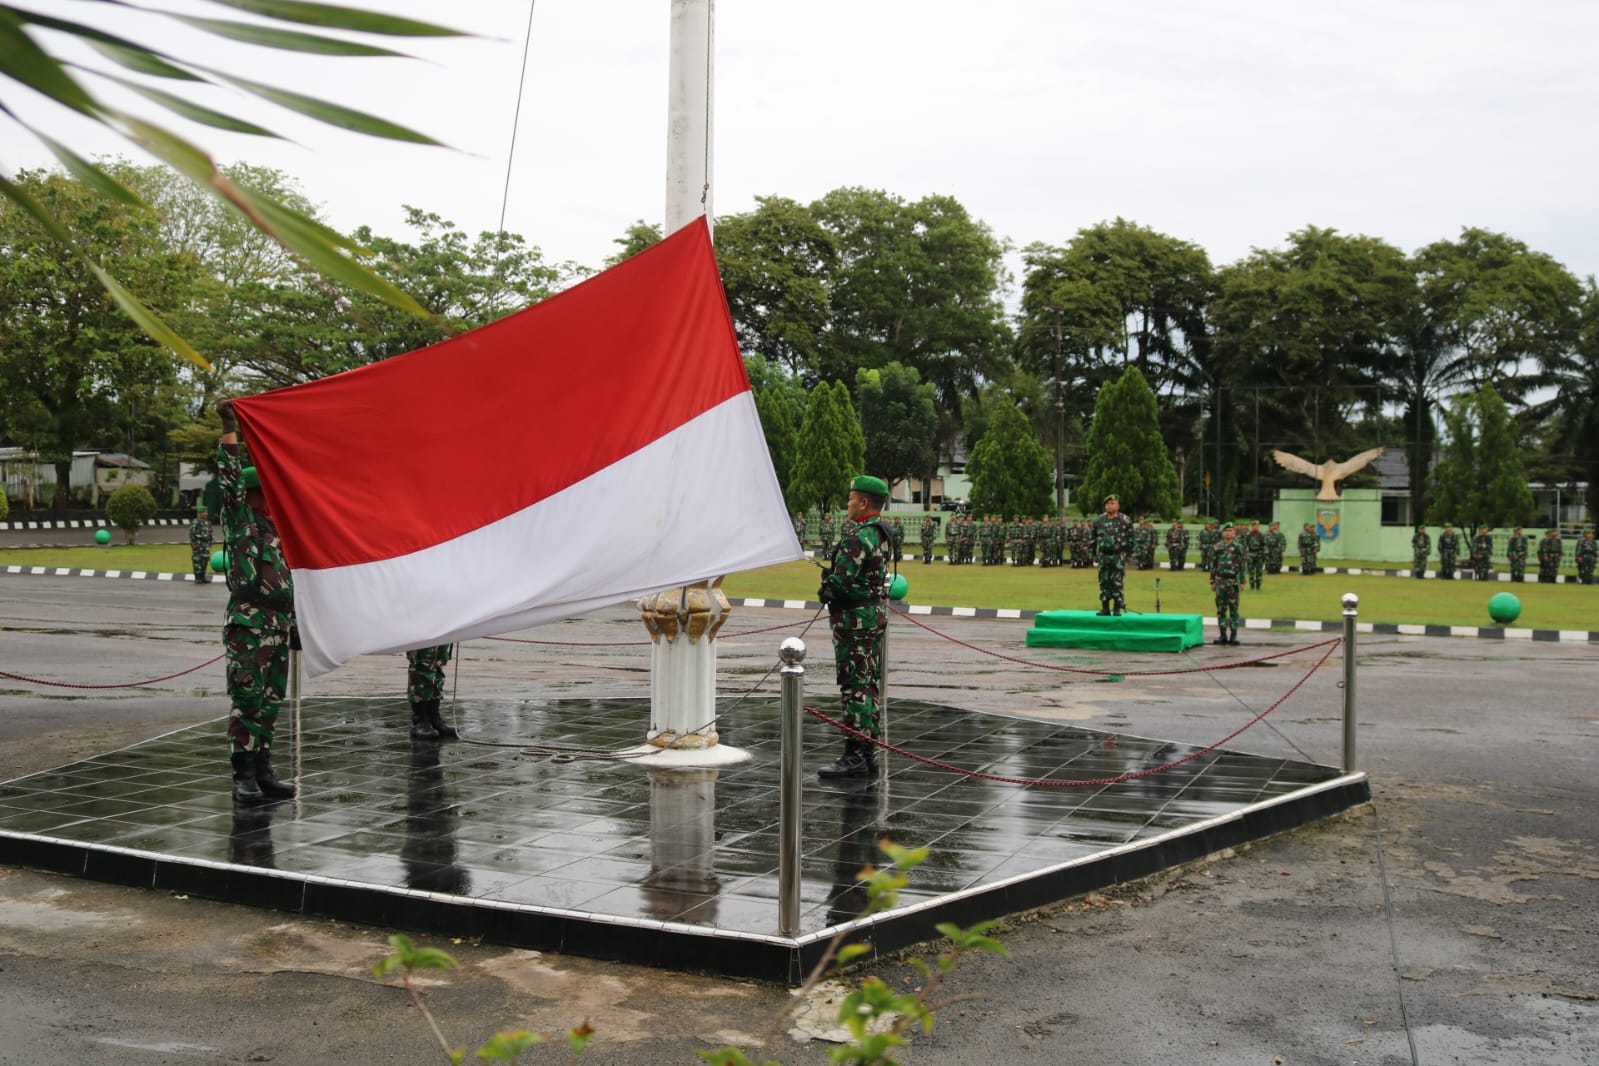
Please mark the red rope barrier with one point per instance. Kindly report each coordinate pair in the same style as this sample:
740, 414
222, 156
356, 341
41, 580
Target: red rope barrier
1047, 783
641, 643
125, 684
1115, 673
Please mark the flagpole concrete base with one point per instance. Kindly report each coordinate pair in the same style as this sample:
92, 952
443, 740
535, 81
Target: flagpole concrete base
652, 757
683, 624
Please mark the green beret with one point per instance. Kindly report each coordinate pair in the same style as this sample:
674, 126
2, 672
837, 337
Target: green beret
1113, 496
875, 486
249, 479
1226, 526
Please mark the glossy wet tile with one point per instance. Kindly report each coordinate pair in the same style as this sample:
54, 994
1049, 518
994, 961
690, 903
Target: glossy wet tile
609, 842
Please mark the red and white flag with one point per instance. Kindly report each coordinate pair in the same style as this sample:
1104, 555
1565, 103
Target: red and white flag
595, 447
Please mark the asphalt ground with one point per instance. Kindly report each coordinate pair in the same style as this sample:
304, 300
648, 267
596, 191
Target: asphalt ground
1482, 755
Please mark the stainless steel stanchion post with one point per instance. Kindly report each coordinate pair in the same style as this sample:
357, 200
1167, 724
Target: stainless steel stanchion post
294, 705
792, 654
1351, 604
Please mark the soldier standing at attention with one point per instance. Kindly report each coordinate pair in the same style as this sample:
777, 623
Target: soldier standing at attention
1309, 545
824, 533
1516, 553
259, 618
1587, 553
1448, 551
1113, 540
424, 689
897, 527
929, 534
1177, 545
1208, 539
1420, 548
799, 528
1482, 553
852, 589
1550, 549
1146, 545
1255, 548
1276, 548
200, 545
1227, 564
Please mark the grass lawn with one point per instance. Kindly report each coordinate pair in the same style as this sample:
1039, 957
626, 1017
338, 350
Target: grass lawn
1286, 595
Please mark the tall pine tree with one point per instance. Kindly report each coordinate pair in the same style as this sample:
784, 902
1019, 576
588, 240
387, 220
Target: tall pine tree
1011, 472
1126, 452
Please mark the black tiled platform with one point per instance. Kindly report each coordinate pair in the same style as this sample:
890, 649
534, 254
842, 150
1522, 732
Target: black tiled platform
663, 867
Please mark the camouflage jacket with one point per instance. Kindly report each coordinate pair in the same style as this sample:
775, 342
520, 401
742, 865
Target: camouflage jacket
1421, 543
1255, 544
258, 576
1113, 537
1309, 543
1516, 548
854, 578
1176, 539
1550, 549
1449, 544
1228, 563
200, 532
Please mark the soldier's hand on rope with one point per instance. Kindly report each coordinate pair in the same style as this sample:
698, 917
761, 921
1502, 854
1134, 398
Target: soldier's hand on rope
230, 424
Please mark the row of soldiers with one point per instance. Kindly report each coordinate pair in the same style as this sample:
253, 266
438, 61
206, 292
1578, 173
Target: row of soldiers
1551, 550
1050, 542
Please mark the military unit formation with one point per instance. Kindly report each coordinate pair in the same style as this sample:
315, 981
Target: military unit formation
1049, 542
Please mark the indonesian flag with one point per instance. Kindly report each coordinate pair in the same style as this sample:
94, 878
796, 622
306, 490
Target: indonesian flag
593, 448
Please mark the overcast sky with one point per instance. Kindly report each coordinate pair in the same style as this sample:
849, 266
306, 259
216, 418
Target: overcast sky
1229, 123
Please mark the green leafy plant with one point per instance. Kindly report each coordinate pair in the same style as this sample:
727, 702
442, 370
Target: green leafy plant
130, 507
878, 1018
26, 60
505, 1046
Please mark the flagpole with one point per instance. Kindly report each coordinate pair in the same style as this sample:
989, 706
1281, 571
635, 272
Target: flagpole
683, 622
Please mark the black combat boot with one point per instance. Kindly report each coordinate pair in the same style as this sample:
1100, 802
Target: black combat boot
245, 789
1104, 608
266, 778
436, 720
853, 763
1117, 607
421, 724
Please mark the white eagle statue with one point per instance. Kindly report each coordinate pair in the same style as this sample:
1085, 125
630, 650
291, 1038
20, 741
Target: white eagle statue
1329, 472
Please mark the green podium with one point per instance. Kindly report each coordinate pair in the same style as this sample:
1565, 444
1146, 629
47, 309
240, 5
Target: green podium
1127, 632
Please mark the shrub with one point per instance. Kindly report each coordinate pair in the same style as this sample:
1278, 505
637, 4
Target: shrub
5, 504
130, 507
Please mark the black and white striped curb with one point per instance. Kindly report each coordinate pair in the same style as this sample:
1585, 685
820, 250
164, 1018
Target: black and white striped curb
86, 523
1577, 636
1573, 636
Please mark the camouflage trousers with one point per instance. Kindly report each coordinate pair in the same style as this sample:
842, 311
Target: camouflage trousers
1227, 602
1178, 560
858, 658
1446, 567
424, 673
258, 676
1257, 570
1418, 565
1112, 573
1479, 569
200, 556
1307, 562
1518, 569
1585, 571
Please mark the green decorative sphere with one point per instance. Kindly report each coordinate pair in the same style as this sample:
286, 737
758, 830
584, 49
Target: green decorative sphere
1504, 608
102, 536
219, 560
898, 587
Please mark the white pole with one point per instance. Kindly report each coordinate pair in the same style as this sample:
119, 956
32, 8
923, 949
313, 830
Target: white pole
689, 118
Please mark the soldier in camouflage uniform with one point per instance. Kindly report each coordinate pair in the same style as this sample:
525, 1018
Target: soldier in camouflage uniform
1309, 547
1448, 552
896, 527
260, 617
1421, 548
1146, 545
1255, 550
1227, 564
824, 533
1587, 553
852, 589
1177, 545
799, 528
1113, 540
1550, 550
200, 545
1208, 539
1276, 548
1516, 555
929, 535
424, 689
1482, 553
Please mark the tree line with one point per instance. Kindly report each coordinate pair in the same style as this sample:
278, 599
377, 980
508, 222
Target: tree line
877, 333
